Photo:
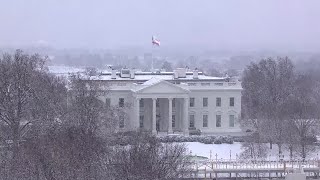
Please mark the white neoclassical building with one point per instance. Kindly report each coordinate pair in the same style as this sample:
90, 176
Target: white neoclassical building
174, 102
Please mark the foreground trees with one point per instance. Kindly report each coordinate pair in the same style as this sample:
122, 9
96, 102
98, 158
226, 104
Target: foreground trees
147, 158
280, 105
29, 97
51, 132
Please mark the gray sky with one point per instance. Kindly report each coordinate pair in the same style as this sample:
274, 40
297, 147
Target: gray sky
207, 24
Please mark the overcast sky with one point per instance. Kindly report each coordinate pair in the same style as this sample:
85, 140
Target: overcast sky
208, 24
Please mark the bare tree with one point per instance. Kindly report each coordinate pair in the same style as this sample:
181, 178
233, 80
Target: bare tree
74, 148
305, 116
253, 149
28, 97
147, 158
267, 89
167, 66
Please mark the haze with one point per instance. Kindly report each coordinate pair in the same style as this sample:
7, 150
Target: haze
205, 24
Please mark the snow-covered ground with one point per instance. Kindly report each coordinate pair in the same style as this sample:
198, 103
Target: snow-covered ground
223, 151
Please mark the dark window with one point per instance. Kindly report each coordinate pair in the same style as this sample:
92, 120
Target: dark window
141, 121
173, 102
218, 102
231, 120
121, 102
141, 103
191, 121
205, 120
232, 101
205, 102
157, 103
191, 102
173, 121
108, 102
218, 120
121, 121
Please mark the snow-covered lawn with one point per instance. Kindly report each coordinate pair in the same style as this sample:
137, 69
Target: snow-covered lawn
223, 151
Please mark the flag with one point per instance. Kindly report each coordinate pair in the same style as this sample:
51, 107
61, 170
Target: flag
155, 41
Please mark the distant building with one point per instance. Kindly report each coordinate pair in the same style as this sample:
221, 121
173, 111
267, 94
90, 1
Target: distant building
174, 102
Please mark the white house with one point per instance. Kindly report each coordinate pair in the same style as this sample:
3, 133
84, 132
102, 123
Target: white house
174, 102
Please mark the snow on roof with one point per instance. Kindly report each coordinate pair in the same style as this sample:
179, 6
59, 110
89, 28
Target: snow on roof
152, 81
139, 75
146, 77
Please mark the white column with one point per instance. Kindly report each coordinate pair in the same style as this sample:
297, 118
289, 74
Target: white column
185, 127
137, 123
170, 116
154, 116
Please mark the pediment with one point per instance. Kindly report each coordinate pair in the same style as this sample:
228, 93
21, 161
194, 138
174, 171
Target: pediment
162, 87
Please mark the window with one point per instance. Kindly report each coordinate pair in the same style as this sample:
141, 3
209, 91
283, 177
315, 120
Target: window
231, 120
205, 102
191, 102
218, 84
218, 101
218, 120
232, 101
191, 121
173, 102
141, 104
205, 84
108, 102
173, 121
205, 120
121, 121
157, 103
121, 102
141, 119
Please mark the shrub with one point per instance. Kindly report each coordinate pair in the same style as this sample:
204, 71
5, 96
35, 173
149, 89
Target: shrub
197, 138
195, 132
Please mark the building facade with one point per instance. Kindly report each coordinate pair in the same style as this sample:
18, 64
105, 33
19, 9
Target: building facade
173, 102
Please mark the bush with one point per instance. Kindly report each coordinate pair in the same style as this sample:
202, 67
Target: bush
228, 140
217, 141
207, 140
197, 138
195, 132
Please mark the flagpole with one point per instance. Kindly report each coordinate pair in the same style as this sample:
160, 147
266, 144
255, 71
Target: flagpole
152, 58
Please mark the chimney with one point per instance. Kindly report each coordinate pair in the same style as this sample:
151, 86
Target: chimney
181, 72
175, 74
132, 73
195, 74
113, 74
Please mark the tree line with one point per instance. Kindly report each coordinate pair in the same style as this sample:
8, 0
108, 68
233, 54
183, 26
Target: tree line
280, 105
57, 128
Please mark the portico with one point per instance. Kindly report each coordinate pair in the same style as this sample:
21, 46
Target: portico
157, 103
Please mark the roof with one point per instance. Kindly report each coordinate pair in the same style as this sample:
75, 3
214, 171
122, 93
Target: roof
163, 76
153, 82
139, 75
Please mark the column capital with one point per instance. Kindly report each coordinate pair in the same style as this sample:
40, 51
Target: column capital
170, 98
138, 98
154, 98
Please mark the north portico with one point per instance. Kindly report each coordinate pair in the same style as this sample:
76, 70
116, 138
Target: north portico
173, 102
158, 102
